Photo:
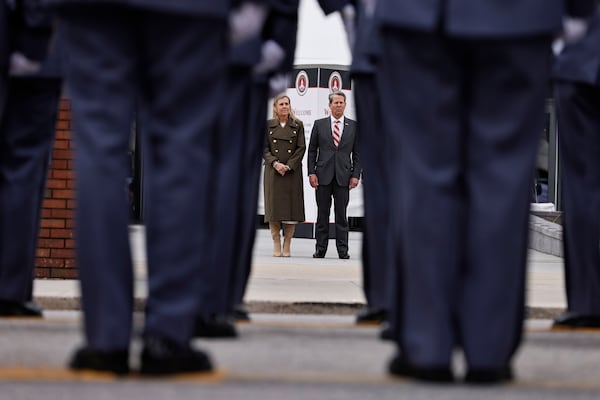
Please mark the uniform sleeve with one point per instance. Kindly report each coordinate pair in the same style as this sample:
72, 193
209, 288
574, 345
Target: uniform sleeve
580, 8
329, 6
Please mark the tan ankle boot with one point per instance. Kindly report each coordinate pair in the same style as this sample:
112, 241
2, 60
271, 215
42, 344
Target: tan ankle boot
288, 233
275, 228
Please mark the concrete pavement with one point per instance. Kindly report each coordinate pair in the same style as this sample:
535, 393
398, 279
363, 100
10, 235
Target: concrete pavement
285, 353
301, 284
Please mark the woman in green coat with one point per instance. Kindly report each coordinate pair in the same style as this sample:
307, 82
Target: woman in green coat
284, 195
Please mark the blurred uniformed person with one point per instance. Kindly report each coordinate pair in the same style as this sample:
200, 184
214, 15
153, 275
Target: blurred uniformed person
577, 99
376, 253
462, 87
168, 57
30, 85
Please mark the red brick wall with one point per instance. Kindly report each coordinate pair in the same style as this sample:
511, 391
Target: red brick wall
55, 252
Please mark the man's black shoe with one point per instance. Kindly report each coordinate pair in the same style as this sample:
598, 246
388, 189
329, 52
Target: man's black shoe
116, 361
489, 375
576, 320
344, 256
161, 356
371, 316
240, 313
17, 309
215, 326
400, 367
319, 254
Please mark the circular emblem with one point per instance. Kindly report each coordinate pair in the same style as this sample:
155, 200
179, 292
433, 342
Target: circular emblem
335, 82
302, 83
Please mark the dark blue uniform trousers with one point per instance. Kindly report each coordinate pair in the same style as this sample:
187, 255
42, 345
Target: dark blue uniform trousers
464, 117
27, 126
229, 170
250, 184
377, 248
175, 66
579, 141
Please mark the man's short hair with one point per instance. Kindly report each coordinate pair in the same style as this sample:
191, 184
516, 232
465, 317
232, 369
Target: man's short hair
340, 93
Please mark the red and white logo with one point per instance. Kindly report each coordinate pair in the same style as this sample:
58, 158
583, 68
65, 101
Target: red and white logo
302, 83
335, 82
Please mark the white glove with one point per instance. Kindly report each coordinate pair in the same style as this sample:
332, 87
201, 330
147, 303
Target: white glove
558, 45
369, 6
246, 21
574, 29
349, 19
271, 56
277, 84
20, 65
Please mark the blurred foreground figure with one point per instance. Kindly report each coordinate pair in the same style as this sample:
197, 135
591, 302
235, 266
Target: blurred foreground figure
462, 87
30, 71
257, 69
168, 57
377, 254
577, 97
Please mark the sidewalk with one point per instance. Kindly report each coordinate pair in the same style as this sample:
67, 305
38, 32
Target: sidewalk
301, 284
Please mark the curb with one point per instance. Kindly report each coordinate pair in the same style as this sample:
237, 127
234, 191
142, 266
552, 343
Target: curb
545, 236
272, 307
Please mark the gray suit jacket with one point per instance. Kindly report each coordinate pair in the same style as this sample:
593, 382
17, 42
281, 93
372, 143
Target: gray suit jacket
329, 162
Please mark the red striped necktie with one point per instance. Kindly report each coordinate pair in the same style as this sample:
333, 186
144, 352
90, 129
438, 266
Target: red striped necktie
336, 133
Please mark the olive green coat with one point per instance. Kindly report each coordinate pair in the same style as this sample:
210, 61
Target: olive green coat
284, 195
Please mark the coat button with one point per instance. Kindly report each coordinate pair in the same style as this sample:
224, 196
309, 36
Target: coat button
290, 140
274, 140
289, 151
276, 151
270, 132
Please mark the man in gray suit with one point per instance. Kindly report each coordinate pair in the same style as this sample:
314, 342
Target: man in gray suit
577, 97
462, 87
333, 170
168, 59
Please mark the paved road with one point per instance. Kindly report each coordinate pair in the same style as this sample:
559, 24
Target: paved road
322, 357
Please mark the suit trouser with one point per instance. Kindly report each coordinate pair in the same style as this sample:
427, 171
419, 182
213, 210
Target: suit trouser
27, 126
465, 117
377, 252
341, 196
175, 65
579, 130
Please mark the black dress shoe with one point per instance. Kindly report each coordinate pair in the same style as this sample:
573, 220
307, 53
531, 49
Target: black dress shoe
116, 361
240, 313
161, 356
319, 254
489, 375
344, 256
576, 320
371, 316
399, 366
215, 326
16, 309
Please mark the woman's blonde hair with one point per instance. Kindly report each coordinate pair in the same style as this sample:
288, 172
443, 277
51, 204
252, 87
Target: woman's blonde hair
279, 97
